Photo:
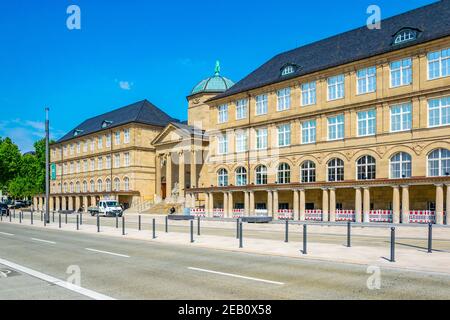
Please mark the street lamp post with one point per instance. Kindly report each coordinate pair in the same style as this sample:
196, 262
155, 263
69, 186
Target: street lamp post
47, 166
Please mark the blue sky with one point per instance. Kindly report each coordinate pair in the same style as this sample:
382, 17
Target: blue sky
129, 50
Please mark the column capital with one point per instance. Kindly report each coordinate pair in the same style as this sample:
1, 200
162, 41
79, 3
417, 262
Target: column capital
404, 186
332, 189
396, 186
438, 184
324, 189
357, 188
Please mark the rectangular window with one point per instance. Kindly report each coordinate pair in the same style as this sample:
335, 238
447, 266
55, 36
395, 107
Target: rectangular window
261, 139
92, 145
439, 112
222, 144
241, 109
78, 147
117, 161
308, 93
65, 150
241, 142
439, 64
72, 169
117, 138
336, 127
126, 136
223, 113
85, 146
78, 167
366, 80
100, 142
92, 164
309, 131
366, 122
284, 135
261, 104
108, 140
108, 162
401, 118
72, 149
126, 159
401, 73
284, 99
335, 87
100, 163
86, 166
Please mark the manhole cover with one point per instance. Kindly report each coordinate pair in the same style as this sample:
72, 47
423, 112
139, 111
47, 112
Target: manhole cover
6, 273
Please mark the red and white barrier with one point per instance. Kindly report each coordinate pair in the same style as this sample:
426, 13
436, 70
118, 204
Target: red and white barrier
285, 214
238, 213
381, 216
345, 215
218, 213
314, 215
198, 212
422, 216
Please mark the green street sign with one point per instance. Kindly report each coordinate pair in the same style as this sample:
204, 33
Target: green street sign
53, 171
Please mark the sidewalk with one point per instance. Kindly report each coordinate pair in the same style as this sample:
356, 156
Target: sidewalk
408, 258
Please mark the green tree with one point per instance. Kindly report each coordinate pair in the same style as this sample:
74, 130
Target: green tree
10, 162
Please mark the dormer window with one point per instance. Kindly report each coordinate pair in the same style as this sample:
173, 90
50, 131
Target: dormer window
288, 69
77, 132
405, 35
106, 123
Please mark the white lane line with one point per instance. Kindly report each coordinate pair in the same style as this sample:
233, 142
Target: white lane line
55, 281
107, 252
236, 276
45, 241
6, 234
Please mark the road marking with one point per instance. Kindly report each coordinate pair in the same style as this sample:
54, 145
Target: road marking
55, 281
107, 252
45, 241
6, 234
236, 276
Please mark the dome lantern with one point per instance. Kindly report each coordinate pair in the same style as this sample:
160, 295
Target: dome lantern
214, 84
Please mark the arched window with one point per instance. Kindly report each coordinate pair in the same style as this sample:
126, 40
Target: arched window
99, 185
65, 187
284, 173
439, 163
222, 178
366, 168
261, 175
405, 35
116, 184
59, 188
308, 172
126, 184
71, 187
335, 170
77, 187
241, 176
92, 183
401, 165
108, 185
85, 186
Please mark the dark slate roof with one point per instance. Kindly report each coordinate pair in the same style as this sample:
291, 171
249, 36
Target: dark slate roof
140, 112
432, 20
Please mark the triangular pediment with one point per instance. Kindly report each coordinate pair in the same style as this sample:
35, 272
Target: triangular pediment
171, 134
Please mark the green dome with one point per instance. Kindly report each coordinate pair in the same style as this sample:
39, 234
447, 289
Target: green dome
216, 83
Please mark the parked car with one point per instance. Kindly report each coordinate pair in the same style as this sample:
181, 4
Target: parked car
108, 208
4, 210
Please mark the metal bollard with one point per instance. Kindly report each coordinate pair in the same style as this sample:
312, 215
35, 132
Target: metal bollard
154, 228
31, 217
98, 222
286, 233
192, 231
240, 235
81, 218
430, 238
392, 245
123, 225
45, 219
10, 216
53, 216
66, 218
14, 213
305, 239
78, 224
41, 216
117, 221
237, 228
198, 226
349, 230
20, 216
59, 220
1, 216
167, 224
139, 219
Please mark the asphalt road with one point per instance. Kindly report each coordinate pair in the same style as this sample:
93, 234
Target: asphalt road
130, 269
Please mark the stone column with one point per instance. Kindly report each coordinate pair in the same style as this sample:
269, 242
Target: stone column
35, 204
158, 175
168, 175
43, 206
296, 209
405, 204
252, 203
439, 204
275, 203
225, 204
207, 204
93, 201
269, 203
246, 203
230, 204
181, 175
63, 203
325, 202
193, 169
85, 203
77, 203
58, 204
358, 205
211, 204
70, 205
396, 204
366, 204
302, 205
332, 205
51, 201
448, 205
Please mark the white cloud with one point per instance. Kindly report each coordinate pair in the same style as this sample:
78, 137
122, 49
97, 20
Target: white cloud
125, 85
